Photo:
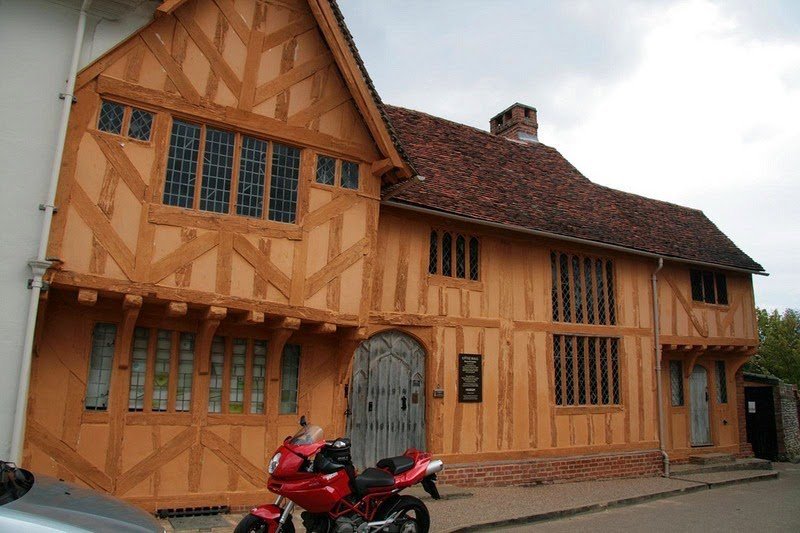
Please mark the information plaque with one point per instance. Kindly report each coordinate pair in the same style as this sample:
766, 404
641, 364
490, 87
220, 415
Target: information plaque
470, 377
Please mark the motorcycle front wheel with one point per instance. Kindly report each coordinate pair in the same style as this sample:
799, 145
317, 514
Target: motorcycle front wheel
253, 524
413, 515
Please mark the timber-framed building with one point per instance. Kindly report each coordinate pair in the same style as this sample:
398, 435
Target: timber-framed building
246, 234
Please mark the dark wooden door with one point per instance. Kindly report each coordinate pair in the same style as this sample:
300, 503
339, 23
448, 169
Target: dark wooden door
387, 402
759, 406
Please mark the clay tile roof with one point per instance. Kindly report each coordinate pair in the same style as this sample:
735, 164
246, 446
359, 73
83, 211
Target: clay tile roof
472, 173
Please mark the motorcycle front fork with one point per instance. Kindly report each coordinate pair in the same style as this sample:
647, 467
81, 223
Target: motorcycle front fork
287, 511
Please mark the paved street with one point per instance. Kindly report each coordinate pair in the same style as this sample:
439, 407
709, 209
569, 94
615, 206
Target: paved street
765, 506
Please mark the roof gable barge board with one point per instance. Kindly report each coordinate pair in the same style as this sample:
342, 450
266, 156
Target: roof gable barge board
567, 238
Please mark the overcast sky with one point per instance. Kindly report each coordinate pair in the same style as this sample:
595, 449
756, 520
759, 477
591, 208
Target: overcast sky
694, 102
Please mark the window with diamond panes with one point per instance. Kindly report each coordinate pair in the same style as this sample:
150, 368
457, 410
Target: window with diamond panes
283, 183
349, 175
722, 383
709, 287
100, 363
216, 375
459, 254
259, 375
119, 119
154, 353
184, 147
215, 191
586, 370
676, 383
112, 116
290, 373
237, 376
141, 125
582, 289
326, 170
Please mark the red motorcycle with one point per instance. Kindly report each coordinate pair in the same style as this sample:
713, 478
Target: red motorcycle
319, 477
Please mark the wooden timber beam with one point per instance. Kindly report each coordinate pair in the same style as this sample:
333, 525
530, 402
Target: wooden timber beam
169, 6
205, 335
379, 168
284, 323
131, 305
177, 309
253, 317
692, 360
87, 297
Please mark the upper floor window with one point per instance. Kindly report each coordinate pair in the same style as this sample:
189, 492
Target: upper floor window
100, 364
454, 255
237, 174
162, 368
586, 370
709, 287
331, 171
582, 289
124, 120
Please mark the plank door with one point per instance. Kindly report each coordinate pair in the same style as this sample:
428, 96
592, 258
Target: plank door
388, 399
698, 387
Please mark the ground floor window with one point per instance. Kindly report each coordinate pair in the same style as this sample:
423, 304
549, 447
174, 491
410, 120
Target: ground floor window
290, 373
162, 369
676, 383
722, 385
586, 370
100, 364
238, 372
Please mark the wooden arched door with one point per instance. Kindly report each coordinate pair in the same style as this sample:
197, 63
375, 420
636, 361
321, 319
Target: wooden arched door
387, 400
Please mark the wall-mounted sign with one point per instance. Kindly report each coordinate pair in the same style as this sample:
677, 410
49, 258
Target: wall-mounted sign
470, 377
751, 407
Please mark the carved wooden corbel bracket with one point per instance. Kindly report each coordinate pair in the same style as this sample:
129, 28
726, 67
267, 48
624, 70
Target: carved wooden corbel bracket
131, 305
214, 315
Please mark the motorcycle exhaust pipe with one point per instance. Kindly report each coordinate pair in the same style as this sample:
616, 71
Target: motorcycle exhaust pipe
434, 467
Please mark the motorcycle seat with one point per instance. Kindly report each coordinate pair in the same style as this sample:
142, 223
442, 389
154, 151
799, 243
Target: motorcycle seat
372, 478
396, 465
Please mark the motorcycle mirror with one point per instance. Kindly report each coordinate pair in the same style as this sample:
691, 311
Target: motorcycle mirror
303, 421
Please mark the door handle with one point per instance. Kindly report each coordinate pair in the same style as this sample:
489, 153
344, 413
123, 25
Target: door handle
403, 403
369, 407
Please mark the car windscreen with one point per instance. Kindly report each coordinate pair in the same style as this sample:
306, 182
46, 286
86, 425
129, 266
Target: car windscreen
14, 482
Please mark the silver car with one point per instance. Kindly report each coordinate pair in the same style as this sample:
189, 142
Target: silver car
31, 502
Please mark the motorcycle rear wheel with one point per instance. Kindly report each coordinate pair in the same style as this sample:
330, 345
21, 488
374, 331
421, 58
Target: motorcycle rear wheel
253, 524
414, 515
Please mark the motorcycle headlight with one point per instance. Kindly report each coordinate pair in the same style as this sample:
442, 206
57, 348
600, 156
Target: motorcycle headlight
273, 463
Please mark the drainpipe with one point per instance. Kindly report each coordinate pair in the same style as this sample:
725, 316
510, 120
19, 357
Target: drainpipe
657, 343
40, 265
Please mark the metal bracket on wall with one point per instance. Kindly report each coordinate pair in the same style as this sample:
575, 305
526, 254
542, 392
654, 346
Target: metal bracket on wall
43, 207
63, 96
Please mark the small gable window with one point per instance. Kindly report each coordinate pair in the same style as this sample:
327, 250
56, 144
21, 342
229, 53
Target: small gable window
337, 172
709, 287
459, 254
119, 119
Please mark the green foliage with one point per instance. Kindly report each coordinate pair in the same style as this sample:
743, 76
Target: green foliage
779, 353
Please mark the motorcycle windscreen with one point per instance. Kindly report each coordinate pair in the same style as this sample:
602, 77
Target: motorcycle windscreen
308, 435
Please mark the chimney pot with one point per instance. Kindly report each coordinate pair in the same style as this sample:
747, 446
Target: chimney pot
518, 123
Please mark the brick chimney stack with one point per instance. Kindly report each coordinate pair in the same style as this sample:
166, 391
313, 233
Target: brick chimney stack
517, 123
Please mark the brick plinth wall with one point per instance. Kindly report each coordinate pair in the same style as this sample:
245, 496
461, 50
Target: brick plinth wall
745, 448
554, 470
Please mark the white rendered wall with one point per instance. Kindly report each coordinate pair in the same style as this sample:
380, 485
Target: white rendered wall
36, 40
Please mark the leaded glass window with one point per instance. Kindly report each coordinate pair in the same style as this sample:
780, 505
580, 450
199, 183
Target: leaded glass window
722, 383
259, 377
433, 256
217, 171
141, 125
582, 289
252, 169
676, 383
349, 175
183, 393
290, 372
461, 257
184, 147
237, 376
141, 340
283, 184
326, 170
161, 370
100, 365
112, 115
474, 259
447, 254
216, 377
586, 370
